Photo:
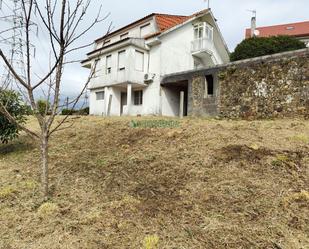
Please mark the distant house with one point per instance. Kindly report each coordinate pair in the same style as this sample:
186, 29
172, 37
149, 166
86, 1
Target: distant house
299, 30
132, 61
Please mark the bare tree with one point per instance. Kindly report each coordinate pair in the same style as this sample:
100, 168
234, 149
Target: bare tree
62, 21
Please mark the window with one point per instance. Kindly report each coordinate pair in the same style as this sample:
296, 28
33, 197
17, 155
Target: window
139, 60
209, 32
209, 86
121, 60
202, 30
138, 97
124, 36
106, 42
108, 64
199, 31
97, 67
145, 30
100, 95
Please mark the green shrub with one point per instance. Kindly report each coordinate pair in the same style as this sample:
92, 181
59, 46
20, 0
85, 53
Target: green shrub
67, 112
260, 46
28, 110
43, 107
83, 112
14, 105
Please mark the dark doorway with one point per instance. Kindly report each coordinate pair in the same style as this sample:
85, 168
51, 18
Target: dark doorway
210, 85
172, 92
123, 101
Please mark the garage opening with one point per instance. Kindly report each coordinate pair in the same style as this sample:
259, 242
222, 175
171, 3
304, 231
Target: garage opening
175, 99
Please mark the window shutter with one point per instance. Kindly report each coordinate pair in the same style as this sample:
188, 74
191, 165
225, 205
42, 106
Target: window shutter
139, 60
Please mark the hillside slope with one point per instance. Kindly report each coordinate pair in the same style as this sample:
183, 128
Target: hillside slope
205, 184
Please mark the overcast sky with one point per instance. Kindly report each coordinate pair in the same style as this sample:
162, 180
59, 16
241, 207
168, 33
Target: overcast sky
232, 15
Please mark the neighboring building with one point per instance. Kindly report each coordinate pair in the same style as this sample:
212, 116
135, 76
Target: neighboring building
299, 30
132, 61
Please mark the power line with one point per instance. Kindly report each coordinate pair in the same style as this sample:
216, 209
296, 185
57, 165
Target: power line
14, 38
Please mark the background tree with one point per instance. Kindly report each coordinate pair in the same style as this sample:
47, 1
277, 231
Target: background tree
14, 105
260, 46
62, 21
43, 106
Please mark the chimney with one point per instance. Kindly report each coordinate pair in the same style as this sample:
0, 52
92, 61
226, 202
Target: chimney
253, 26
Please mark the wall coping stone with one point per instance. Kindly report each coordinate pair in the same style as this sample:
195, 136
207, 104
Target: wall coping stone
187, 75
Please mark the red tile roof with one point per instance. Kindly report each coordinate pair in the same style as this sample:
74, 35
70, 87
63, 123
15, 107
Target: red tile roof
164, 22
300, 29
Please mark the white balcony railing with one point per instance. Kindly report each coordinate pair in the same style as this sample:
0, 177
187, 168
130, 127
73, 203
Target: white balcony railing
201, 44
117, 77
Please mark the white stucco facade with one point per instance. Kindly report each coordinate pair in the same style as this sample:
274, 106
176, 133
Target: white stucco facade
129, 71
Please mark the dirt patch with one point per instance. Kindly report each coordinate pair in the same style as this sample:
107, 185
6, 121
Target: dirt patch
242, 152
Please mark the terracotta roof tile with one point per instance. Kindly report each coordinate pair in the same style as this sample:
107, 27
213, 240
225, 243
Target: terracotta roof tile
292, 29
165, 22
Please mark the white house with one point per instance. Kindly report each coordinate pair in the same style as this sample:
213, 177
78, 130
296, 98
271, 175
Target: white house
131, 61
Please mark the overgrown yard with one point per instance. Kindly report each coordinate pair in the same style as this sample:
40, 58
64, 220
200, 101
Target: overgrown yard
204, 184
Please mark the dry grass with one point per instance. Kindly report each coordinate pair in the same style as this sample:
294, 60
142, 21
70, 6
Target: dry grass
206, 184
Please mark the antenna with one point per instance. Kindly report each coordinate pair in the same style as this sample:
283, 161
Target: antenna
208, 3
253, 12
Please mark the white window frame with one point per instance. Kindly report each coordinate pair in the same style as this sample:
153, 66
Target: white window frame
199, 30
121, 67
108, 67
97, 64
124, 35
142, 27
141, 69
203, 30
100, 95
106, 42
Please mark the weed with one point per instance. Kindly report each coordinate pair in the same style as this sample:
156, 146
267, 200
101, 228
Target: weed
302, 196
101, 162
151, 242
7, 192
301, 138
154, 124
280, 160
30, 184
48, 209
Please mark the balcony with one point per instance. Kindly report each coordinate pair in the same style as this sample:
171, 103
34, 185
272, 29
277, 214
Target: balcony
117, 77
202, 45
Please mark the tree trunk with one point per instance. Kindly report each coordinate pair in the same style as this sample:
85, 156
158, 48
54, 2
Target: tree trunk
45, 175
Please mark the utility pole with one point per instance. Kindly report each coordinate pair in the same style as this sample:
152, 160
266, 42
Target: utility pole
13, 38
67, 103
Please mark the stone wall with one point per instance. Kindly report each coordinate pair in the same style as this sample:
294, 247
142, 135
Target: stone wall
265, 87
274, 86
